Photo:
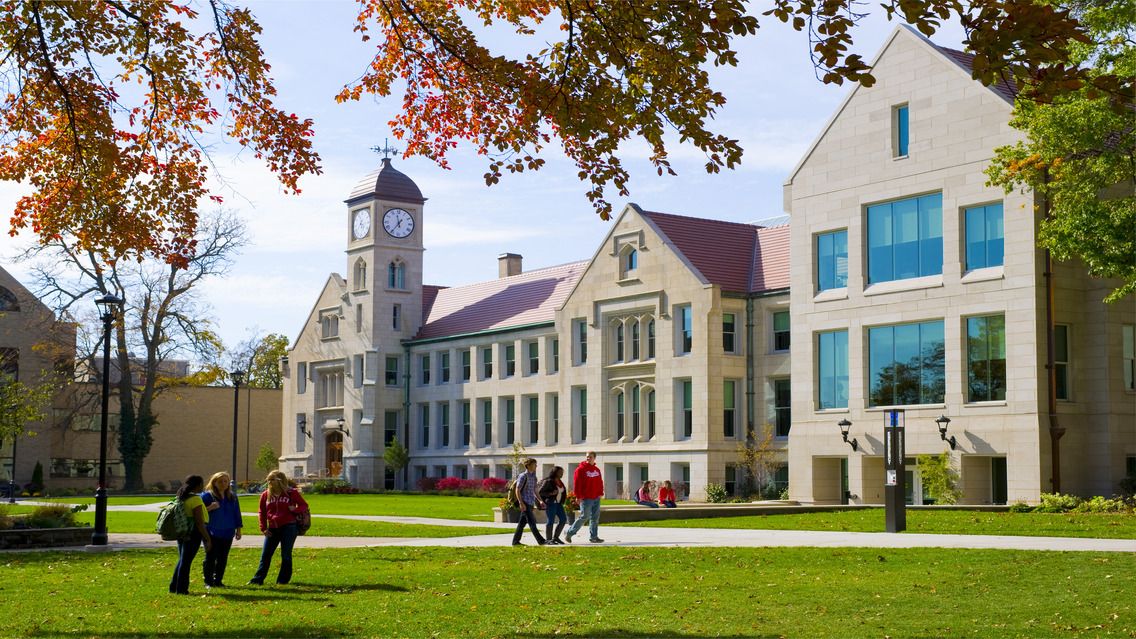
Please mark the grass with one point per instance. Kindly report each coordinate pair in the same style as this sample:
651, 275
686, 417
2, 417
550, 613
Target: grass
536, 592
961, 522
129, 500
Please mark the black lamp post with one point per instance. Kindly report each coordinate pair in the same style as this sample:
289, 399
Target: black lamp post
943, 421
237, 376
109, 306
304, 426
844, 425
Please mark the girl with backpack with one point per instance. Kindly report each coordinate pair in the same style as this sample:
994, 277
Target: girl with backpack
224, 525
553, 493
279, 504
195, 510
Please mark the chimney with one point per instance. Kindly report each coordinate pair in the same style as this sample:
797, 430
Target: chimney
508, 264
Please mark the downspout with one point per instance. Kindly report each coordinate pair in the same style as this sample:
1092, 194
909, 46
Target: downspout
1055, 431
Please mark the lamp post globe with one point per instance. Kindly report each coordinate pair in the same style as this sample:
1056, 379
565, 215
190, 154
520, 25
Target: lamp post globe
238, 377
108, 306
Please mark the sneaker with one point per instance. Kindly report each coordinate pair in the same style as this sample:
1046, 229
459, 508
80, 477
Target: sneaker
542, 542
568, 537
596, 540
556, 542
517, 543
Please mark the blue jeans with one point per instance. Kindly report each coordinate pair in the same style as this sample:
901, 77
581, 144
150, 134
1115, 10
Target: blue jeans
555, 512
285, 537
589, 512
668, 504
187, 551
648, 504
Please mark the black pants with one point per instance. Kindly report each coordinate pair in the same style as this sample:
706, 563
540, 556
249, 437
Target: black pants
187, 551
216, 560
528, 517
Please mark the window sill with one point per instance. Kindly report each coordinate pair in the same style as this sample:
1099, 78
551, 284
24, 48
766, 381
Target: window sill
905, 407
984, 275
910, 284
899, 157
624, 281
831, 295
329, 339
997, 402
830, 411
397, 290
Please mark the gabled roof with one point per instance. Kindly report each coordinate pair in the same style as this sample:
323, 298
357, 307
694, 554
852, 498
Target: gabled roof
506, 302
738, 257
387, 183
1006, 89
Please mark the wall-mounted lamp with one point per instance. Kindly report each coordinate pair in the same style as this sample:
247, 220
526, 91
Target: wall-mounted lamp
844, 425
304, 427
943, 421
341, 425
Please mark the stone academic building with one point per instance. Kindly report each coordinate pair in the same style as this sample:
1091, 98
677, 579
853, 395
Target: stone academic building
901, 281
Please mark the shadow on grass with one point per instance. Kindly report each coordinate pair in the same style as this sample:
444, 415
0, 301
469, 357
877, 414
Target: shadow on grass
627, 632
298, 590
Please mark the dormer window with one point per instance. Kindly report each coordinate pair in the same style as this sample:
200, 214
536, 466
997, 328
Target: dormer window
900, 134
628, 262
396, 275
329, 324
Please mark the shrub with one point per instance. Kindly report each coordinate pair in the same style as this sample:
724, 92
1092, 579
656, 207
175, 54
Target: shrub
159, 486
1021, 507
51, 517
940, 480
1128, 486
716, 494
331, 486
5, 518
494, 484
427, 484
1099, 504
1058, 503
37, 478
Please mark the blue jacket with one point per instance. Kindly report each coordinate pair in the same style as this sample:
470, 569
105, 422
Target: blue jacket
224, 521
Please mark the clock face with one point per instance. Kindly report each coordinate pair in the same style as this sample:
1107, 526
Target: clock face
398, 222
361, 223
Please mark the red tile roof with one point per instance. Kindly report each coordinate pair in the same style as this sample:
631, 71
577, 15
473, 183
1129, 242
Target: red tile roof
429, 294
506, 302
1006, 89
738, 257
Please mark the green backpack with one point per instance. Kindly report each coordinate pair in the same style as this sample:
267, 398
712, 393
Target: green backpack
172, 523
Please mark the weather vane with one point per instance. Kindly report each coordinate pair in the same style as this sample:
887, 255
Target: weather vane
386, 149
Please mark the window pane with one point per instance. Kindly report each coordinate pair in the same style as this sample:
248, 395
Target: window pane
902, 131
833, 369
840, 254
905, 234
976, 238
931, 234
995, 234
826, 275
879, 244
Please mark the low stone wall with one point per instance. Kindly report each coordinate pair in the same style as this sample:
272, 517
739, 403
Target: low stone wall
20, 538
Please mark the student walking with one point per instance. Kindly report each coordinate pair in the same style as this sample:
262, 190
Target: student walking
587, 481
553, 493
224, 525
526, 501
279, 504
187, 548
667, 495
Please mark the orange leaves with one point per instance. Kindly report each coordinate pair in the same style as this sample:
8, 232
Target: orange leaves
130, 185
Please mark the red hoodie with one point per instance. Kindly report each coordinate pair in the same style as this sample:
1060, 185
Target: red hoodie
276, 512
587, 481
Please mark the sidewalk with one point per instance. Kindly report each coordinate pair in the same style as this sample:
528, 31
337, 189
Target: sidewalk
686, 538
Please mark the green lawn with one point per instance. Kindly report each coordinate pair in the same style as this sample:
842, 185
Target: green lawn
129, 500
537, 592
1106, 525
436, 506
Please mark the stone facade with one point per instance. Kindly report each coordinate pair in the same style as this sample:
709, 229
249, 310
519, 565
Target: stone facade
1004, 450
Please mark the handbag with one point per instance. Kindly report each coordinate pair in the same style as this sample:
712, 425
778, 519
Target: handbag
303, 518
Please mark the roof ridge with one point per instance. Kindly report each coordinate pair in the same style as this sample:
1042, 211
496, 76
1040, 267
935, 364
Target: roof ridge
700, 219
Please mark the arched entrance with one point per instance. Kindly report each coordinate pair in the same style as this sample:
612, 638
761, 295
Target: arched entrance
334, 454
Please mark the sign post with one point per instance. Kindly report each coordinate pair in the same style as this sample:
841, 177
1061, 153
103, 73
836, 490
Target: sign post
895, 497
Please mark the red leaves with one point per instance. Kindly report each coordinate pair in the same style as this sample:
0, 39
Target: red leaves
131, 186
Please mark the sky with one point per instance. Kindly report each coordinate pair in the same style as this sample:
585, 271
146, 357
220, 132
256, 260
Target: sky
775, 107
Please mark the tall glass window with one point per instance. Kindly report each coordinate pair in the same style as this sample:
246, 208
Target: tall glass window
782, 406
534, 419
984, 236
634, 411
444, 368
1128, 355
582, 408
466, 367
619, 416
901, 134
651, 339
687, 389
534, 358
510, 360
510, 421
686, 330
465, 423
729, 412
444, 423
905, 238
555, 355
555, 415
486, 422
832, 369
651, 414
424, 415
906, 364
832, 260
487, 362
781, 330
391, 376
619, 342
986, 358
390, 427
1061, 359
424, 369
729, 333
581, 341
634, 339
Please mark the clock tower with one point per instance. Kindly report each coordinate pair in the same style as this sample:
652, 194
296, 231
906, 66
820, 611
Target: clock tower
384, 304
